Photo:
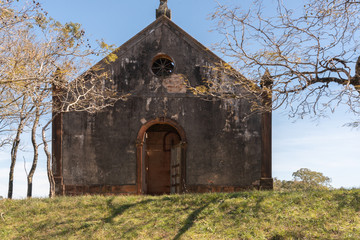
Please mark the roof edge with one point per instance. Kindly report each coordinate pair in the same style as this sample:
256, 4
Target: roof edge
163, 19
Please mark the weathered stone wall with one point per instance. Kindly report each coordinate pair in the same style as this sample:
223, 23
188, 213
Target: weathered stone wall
222, 149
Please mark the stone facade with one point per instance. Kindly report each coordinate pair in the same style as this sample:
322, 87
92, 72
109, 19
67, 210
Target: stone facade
205, 144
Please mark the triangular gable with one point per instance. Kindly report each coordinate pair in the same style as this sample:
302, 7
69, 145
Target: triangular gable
164, 21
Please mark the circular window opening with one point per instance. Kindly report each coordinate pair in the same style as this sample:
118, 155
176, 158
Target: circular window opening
162, 66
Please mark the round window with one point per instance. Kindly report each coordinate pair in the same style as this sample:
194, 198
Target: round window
162, 66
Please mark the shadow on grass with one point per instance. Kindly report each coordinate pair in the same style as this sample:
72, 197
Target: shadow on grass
118, 210
66, 228
258, 208
190, 220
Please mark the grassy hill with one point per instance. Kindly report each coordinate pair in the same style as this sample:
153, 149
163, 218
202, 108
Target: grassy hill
244, 215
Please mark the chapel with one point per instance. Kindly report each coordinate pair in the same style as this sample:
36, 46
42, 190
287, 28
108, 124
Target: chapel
163, 138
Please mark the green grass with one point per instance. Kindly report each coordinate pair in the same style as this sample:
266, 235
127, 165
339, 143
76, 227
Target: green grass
244, 215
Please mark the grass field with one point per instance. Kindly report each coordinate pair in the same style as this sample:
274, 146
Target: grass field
245, 215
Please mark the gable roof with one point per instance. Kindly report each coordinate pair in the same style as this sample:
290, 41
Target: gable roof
161, 21
165, 21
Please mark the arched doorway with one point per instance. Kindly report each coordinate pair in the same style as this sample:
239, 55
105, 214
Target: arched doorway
161, 158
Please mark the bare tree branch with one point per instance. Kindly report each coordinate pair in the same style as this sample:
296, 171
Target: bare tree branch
305, 47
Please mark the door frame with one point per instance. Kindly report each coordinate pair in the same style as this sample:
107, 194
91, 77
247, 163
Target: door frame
140, 172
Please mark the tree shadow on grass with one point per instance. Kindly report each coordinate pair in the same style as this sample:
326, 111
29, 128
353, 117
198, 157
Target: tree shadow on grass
96, 223
189, 222
258, 208
118, 210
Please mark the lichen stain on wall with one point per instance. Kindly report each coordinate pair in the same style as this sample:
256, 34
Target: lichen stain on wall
148, 101
232, 108
154, 84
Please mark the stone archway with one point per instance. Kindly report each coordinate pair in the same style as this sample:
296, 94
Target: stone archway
161, 157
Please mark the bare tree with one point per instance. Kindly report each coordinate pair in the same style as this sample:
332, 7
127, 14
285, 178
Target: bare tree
38, 55
30, 175
309, 50
48, 160
24, 113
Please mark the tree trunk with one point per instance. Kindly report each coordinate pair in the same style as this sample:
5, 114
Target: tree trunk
36, 153
16, 142
14, 150
48, 161
29, 188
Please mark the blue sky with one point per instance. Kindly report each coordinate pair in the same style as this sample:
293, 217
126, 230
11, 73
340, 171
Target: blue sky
322, 145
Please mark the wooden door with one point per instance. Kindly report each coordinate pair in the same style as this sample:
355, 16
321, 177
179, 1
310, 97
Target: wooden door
162, 160
175, 169
157, 164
